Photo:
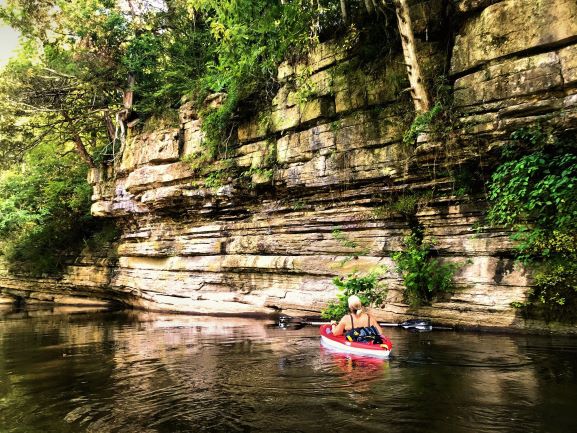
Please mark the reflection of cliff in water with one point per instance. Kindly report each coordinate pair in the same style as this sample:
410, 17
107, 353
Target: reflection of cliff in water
470, 379
139, 372
147, 369
47, 363
177, 370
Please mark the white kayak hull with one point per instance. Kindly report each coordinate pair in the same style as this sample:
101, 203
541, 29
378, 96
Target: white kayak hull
355, 350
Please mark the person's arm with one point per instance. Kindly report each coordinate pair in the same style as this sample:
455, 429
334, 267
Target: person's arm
340, 328
376, 324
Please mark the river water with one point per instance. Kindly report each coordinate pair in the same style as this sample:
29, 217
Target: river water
126, 372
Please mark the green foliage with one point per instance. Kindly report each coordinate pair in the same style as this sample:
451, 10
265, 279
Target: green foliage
305, 88
81, 58
421, 124
263, 174
342, 239
218, 173
299, 204
68, 82
556, 283
214, 179
409, 204
264, 121
424, 276
534, 193
44, 211
553, 257
540, 187
250, 39
368, 288
164, 47
554, 294
167, 55
532, 137
440, 120
197, 161
216, 124
406, 205
40, 104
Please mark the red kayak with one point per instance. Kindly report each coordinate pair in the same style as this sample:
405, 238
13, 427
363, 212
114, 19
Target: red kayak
343, 345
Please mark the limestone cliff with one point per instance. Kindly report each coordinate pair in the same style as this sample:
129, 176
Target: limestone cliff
316, 173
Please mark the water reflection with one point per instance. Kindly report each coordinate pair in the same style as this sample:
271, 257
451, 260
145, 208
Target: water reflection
357, 373
137, 372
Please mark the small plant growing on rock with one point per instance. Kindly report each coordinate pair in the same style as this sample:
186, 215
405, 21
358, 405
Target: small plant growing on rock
342, 239
264, 175
424, 276
306, 89
421, 124
299, 204
346, 242
197, 161
440, 120
368, 288
214, 180
406, 205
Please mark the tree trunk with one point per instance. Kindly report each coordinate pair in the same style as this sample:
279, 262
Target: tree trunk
81, 150
78, 144
110, 129
370, 7
129, 92
418, 90
344, 12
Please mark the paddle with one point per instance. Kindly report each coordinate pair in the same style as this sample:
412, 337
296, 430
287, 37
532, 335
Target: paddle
416, 324
306, 322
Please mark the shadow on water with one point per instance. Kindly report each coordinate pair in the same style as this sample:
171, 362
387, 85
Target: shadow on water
139, 372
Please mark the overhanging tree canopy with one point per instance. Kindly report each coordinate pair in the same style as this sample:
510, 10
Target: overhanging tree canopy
87, 63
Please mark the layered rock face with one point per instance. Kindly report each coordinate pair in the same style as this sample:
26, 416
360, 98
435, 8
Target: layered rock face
86, 282
316, 174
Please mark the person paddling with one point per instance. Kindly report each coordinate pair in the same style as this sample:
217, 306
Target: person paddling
355, 321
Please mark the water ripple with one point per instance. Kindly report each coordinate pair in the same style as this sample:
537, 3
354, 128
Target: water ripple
168, 374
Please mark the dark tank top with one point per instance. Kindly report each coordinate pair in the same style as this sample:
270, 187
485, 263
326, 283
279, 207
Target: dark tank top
363, 334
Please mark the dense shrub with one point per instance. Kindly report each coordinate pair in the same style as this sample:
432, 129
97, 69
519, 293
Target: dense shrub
368, 288
424, 276
534, 193
44, 212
